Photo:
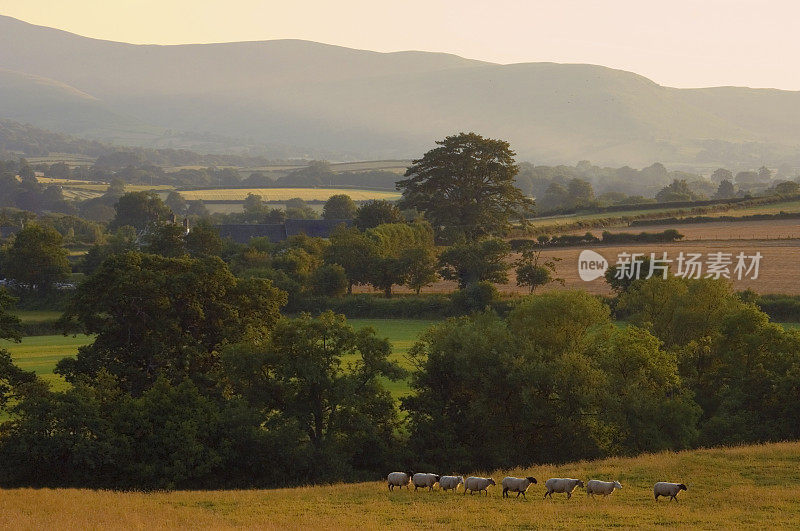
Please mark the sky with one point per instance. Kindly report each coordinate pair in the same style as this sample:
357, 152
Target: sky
679, 43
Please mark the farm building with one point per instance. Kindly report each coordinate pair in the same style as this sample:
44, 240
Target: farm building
278, 232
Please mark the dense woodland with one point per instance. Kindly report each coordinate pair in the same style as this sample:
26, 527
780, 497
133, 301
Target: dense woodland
215, 364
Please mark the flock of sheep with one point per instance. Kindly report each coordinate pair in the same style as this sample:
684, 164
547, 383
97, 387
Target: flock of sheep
520, 485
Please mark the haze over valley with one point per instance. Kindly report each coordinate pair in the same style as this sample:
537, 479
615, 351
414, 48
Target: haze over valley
309, 100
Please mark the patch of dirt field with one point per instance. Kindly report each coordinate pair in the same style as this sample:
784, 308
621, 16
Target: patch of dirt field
779, 269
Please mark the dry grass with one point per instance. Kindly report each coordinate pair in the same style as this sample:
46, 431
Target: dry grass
745, 487
779, 271
719, 230
282, 194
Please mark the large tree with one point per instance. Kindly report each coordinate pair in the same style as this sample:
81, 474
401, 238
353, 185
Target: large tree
466, 186
154, 316
476, 261
139, 210
36, 258
376, 212
327, 377
339, 206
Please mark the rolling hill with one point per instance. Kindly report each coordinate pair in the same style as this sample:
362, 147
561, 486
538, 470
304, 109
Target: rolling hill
753, 487
362, 104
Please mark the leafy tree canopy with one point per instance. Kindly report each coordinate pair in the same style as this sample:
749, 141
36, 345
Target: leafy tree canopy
466, 185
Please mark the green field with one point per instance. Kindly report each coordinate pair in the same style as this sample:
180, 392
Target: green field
41, 353
36, 316
729, 488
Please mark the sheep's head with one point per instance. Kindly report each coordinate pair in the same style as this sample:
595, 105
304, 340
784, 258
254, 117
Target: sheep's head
460, 480
437, 477
531, 479
617, 485
580, 483
491, 482
682, 486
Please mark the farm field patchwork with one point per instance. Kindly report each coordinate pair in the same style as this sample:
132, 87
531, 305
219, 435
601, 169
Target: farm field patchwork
718, 230
282, 194
742, 487
772, 208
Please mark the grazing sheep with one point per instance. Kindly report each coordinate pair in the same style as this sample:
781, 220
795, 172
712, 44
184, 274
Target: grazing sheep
474, 484
561, 485
606, 488
451, 482
399, 479
423, 480
518, 485
662, 488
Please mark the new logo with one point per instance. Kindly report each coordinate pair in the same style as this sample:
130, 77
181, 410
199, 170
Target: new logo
591, 265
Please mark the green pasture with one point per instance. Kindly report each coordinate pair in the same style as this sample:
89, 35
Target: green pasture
41, 353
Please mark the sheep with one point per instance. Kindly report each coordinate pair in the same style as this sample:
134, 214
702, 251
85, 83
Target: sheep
561, 485
451, 482
475, 484
518, 485
662, 488
424, 480
399, 479
606, 488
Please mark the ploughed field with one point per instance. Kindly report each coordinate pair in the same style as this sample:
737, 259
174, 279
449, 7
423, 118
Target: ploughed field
744, 487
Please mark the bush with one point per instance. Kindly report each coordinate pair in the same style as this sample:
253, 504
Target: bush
475, 297
329, 280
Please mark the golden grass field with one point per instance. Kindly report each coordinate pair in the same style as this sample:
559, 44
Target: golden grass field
282, 194
779, 271
753, 487
718, 230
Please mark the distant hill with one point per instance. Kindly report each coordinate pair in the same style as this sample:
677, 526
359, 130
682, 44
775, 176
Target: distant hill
355, 104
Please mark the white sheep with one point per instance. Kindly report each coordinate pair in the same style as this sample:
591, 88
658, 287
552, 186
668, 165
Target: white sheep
518, 485
423, 480
475, 484
399, 479
450, 482
606, 488
662, 488
561, 485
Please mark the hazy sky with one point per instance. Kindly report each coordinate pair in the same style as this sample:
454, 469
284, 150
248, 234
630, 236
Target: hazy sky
681, 43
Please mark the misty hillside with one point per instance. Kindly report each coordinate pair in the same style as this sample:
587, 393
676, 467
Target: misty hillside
362, 104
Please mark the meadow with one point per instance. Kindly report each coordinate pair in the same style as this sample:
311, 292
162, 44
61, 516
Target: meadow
41, 353
742, 487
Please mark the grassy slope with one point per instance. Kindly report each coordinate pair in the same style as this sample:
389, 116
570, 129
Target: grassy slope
750, 486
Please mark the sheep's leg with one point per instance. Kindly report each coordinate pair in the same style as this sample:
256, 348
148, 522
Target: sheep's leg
569, 495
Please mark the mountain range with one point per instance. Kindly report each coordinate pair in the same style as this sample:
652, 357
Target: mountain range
351, 104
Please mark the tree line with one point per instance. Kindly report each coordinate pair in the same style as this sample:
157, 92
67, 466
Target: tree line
203, 374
